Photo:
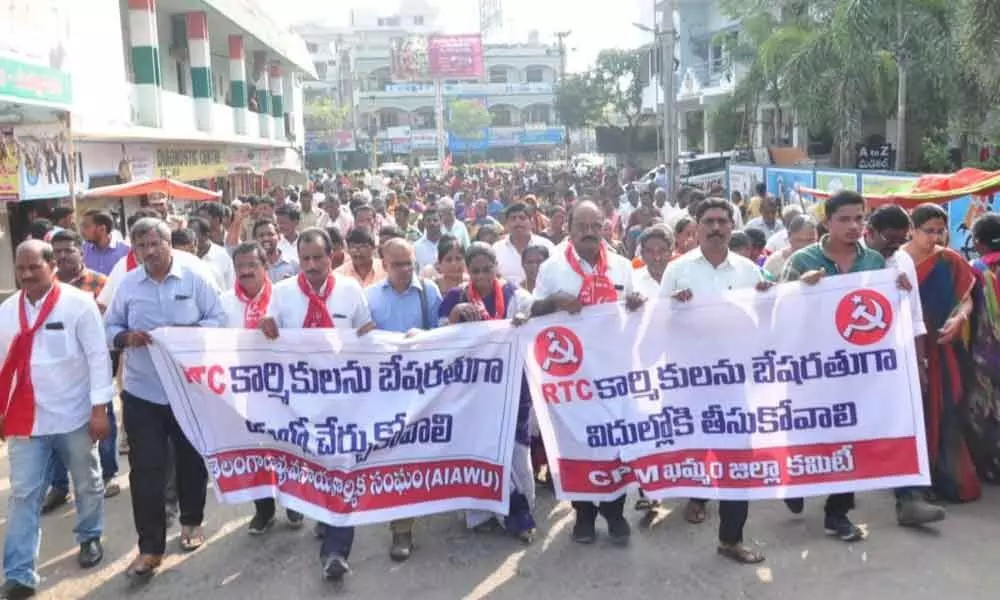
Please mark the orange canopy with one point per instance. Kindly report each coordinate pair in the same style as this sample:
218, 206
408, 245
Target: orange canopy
177, 190
931, 188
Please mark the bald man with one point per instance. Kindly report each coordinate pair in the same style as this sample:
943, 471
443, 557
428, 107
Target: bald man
55, 384
405, 303
581, 273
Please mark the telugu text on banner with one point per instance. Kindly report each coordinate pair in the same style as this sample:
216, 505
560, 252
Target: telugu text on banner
797, 391
349, 430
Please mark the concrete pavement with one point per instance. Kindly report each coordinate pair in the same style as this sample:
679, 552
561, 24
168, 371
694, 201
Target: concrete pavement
673, 559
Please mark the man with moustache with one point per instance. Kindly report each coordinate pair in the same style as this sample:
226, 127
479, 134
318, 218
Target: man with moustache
279, 266
318, 298
581, 273
55, 385
712, 269
656, 246
334, 214
67, 246
245, 306
167, 290
519, 236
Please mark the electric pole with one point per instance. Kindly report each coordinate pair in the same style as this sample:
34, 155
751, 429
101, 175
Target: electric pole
561, 45
668, 40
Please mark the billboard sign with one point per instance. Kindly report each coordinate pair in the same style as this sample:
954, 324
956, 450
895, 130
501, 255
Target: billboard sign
35, 52
455, 56
408, 58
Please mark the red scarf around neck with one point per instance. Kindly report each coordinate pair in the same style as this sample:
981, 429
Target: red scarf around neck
597, 287
317, 315
130, 261
254, 309
477, 300
16, 390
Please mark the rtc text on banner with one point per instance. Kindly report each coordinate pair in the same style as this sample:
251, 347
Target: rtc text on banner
349, 430
796, 391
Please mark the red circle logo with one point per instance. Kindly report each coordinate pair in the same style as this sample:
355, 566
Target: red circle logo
864, 317
558, 351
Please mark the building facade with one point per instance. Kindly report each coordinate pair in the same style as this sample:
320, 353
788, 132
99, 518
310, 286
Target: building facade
518, 88
206, 91
705, 76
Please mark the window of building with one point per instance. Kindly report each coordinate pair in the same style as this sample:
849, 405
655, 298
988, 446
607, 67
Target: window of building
418, 20
181, 69
534, 75
501, 117
498, 75
381, 22
392, 22
320, 70
312, 48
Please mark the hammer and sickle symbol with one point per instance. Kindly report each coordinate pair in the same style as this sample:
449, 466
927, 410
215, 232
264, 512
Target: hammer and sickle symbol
560, 351
870, 315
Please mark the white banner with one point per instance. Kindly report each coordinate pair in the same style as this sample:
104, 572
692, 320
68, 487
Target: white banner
797, 391
350, 431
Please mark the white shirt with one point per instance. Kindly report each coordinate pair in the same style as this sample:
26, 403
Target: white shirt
425, 252
222, 266
118, 272
459, 230
289, 250
348, 304
903, 262
769, 230
778, 241
509, 259
70, 365
557, 276
645, 284
692, 271
344, 221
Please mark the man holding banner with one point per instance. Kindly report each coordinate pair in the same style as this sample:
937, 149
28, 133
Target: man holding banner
840, 252
245, 306
711, 269
164, 291
317, 298
584, 273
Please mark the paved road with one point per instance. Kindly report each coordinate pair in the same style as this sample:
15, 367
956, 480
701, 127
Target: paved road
671, 560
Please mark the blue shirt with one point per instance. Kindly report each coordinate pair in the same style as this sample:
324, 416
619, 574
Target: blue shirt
103, 260
186, 298
392, 311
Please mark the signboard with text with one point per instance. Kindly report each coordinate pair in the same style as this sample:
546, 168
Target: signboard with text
349, 430
455, 56
35, 51
190, 163
812, 390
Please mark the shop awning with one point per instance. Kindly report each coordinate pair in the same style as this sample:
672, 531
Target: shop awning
177, 190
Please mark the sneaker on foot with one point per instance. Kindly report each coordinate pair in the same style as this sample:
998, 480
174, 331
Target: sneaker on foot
335, 567
13, 590
584, 532
259, 524
914, 512
796, 505
843, 529
619, 530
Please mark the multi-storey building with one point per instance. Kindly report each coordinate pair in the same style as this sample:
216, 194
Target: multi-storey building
705, 75
199, 90
517, 88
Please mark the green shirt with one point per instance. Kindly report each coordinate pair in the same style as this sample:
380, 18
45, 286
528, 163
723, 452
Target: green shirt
814, 257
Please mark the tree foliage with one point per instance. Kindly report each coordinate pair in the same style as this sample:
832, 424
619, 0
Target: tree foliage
468, 119
321, 114
578, 101
617, 84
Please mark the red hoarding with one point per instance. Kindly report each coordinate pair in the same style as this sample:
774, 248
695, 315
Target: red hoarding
455, 56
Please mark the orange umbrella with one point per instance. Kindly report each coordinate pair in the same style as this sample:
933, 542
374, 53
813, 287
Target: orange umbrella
177, 190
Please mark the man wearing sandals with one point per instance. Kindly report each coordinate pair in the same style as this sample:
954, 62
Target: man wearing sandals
168, 290
712, 269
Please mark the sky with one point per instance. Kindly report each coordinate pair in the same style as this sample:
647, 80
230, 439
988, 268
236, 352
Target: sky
602, 24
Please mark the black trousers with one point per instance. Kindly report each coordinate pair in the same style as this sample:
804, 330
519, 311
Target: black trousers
150, 427
838, 505
609, 510
336, 540
732, 519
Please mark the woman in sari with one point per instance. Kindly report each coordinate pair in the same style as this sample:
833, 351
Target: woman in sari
984, 386
487, 297
946, 283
